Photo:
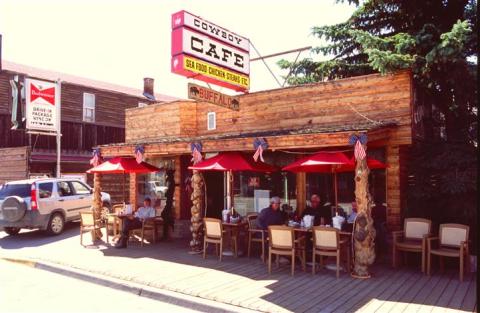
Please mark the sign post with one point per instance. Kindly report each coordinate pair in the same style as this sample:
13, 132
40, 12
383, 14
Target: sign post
58, 101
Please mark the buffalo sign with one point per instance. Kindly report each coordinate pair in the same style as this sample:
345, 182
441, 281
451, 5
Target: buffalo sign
207, 52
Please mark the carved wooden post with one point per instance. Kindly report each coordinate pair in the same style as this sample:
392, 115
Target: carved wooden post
97, 204
198, 200
364, 232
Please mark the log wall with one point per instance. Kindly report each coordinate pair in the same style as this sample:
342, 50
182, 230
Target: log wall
343, 102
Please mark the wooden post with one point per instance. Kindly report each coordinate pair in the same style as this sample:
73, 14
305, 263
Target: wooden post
97, 204
363, 232
198, 202
301, 192
133, 190
393, 197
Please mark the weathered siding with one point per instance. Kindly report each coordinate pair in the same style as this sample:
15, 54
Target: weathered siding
13, 164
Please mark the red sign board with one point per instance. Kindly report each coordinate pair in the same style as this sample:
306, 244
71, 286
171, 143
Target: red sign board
207, 52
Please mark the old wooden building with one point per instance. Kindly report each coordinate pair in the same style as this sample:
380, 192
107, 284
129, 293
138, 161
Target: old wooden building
93, 113
294, 121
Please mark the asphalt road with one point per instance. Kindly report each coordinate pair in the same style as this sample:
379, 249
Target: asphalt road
27, 289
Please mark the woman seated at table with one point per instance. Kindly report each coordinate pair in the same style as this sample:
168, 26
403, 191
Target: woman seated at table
135, 221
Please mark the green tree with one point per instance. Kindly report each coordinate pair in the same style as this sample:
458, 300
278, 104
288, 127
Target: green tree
437, 41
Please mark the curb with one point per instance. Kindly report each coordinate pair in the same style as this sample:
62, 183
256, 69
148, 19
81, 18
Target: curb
165, 296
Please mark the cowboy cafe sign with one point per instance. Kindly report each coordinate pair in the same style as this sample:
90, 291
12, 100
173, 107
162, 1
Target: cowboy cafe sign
41, 106
207, 52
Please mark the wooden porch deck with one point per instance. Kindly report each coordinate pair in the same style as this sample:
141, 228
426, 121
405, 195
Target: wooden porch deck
245, 282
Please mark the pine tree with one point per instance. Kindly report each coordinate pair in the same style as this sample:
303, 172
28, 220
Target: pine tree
437, 41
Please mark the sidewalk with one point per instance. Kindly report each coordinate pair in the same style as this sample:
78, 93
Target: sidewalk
244, 282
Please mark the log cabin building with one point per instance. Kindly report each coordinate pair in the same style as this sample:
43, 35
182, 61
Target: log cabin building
93, 113
295, 121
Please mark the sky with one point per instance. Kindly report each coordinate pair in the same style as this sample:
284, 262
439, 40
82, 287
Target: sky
122, 42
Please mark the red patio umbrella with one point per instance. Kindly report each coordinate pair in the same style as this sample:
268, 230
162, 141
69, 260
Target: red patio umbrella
232, 161
329, 162
123, 165
229, 162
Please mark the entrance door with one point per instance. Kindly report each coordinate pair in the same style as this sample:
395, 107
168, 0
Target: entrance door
215, 193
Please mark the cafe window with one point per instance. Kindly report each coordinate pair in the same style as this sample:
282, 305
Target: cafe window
154, 185
88, 107
252, 191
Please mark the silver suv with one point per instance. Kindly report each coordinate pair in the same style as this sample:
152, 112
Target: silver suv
45, 203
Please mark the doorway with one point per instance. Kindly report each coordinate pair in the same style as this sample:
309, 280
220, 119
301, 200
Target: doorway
215, 193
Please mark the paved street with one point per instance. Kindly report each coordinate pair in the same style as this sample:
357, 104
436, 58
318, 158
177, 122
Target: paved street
27, 289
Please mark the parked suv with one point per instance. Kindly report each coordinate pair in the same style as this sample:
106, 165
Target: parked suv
45, 203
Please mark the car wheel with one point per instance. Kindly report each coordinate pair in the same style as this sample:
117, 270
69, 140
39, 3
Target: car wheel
56, 224
12, 231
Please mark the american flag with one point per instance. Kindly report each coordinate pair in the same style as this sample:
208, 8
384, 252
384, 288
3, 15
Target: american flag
360, 153
258, 153
196, 155
139, 157
95, 160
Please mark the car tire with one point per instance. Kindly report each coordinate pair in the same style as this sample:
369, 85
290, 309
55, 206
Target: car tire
56, 224
12, 231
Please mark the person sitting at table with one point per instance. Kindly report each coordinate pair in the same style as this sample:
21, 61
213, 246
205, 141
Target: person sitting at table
271, 215
322, 214
353, 215
135, 221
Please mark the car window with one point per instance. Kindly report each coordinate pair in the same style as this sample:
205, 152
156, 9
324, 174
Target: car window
45, 190
64, 189
80, 189
20, 190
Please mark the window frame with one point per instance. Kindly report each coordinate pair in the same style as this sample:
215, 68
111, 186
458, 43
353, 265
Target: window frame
209, 114
88, 106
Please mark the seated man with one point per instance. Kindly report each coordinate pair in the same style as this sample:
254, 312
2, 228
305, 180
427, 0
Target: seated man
271, 215
353, 215
322, 214
131, 222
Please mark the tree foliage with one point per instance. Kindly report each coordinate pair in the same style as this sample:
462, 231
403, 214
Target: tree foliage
437, 40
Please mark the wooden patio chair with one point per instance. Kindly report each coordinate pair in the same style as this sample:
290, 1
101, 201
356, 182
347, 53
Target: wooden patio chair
150, 224
89, 223
452, 242
252, 231
327, 242
213, 234
282, 242
112, 223
413, 238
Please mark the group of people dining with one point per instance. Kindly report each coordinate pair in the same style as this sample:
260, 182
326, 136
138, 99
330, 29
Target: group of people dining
273, 215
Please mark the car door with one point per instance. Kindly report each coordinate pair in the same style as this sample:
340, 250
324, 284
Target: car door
83, 194
45, 198
67, 200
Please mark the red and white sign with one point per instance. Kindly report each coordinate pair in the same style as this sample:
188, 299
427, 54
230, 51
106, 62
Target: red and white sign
201, 46
184, 18
40, 102
207, 52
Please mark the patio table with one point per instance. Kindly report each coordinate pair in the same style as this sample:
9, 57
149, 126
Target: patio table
233, 230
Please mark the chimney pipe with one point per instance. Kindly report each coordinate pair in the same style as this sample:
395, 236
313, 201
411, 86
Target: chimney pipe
148, 88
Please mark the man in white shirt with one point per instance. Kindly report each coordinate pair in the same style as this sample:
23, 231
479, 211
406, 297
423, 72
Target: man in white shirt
353, 215
134, 221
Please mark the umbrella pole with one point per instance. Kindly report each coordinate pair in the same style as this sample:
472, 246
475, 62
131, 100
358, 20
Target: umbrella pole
123, 188
336, 190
